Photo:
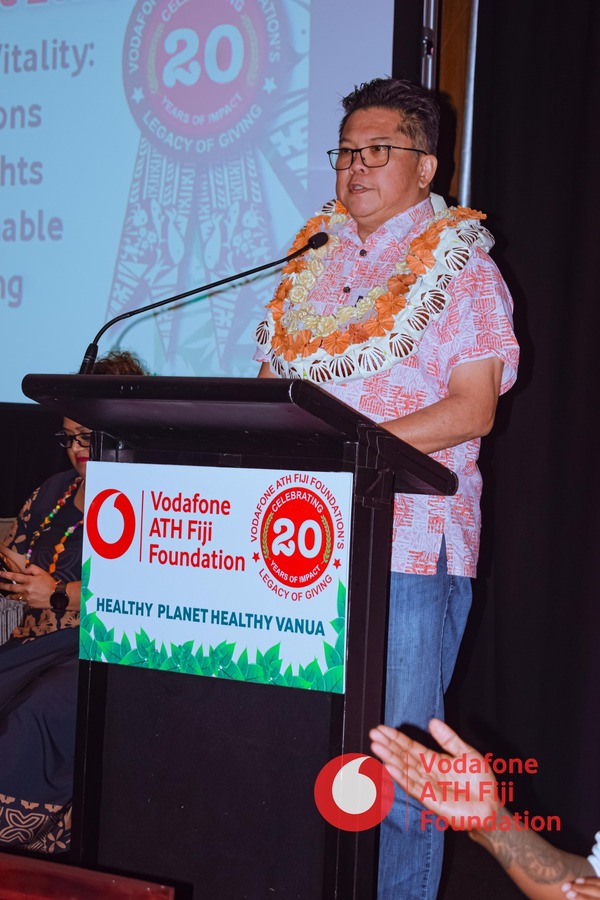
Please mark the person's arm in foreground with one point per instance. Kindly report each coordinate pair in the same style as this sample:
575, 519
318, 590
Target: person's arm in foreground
540, 870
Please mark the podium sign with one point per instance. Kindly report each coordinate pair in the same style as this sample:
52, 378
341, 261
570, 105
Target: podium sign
238, 574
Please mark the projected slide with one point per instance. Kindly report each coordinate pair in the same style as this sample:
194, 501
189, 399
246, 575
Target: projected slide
151, 146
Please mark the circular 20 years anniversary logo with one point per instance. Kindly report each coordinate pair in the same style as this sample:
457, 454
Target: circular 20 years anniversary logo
297, 536
198, 82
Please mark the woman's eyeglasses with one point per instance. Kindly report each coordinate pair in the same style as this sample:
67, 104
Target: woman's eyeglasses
66, 440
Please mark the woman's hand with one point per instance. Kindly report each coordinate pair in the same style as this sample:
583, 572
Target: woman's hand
33, 586
17, 561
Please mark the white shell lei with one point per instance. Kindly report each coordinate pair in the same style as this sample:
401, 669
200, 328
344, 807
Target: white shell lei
425, 301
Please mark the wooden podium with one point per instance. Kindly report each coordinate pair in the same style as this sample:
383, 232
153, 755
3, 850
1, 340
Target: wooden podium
209, 782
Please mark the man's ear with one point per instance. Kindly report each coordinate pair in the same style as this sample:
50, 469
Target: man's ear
427, 169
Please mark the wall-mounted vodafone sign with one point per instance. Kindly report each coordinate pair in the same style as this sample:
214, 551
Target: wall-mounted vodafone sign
233, 573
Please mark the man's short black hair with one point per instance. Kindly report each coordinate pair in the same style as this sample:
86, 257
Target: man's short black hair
418, 109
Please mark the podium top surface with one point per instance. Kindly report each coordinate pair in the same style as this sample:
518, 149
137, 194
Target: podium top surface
244, 412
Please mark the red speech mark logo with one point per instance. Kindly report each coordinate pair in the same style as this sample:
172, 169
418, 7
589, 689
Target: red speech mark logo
354, 792
114, 549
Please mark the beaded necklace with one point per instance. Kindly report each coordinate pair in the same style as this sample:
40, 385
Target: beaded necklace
45, 525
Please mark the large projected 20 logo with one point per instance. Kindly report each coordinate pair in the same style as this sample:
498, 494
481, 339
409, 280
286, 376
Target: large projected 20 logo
120, 545
354, 792
198, 83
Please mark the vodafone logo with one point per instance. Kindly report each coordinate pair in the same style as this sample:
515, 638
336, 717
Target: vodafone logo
354, 792
110, 549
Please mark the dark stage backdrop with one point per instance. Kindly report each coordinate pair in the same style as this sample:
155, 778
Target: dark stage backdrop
531, 663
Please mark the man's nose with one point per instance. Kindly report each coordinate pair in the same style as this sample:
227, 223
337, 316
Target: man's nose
357, 162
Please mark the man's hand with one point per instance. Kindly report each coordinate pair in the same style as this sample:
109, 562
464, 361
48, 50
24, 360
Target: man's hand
417, 769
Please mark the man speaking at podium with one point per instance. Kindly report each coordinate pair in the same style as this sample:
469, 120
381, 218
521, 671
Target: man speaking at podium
403, 316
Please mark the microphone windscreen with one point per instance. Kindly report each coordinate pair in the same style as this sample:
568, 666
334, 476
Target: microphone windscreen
318, 240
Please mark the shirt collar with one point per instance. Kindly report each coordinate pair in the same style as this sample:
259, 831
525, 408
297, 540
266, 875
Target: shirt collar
398, 226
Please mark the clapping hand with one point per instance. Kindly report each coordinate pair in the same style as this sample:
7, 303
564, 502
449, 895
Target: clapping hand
457, 783
582, 887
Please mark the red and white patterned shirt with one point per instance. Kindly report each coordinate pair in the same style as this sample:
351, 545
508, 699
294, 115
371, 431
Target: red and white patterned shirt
477, 323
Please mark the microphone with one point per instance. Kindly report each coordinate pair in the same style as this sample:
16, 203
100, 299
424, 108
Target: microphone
314, 242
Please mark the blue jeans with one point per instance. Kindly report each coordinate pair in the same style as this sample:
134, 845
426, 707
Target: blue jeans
428, 614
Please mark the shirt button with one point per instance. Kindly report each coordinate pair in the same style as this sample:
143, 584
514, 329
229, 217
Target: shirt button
346, 290
363, 252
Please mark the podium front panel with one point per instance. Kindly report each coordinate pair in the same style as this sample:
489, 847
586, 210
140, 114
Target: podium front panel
206, 781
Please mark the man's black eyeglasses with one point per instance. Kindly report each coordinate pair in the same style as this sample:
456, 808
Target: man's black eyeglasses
373, 157
66, 440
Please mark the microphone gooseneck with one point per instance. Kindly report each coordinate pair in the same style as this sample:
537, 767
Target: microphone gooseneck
314, 242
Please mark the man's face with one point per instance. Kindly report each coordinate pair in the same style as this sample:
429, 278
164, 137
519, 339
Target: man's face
372, 196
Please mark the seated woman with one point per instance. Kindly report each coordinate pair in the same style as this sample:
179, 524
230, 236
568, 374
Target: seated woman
39, 664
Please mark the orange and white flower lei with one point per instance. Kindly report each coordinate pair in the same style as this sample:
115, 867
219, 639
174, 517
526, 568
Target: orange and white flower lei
384, 326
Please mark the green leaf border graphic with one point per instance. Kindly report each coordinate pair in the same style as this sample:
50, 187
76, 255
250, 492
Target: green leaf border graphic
97, 643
